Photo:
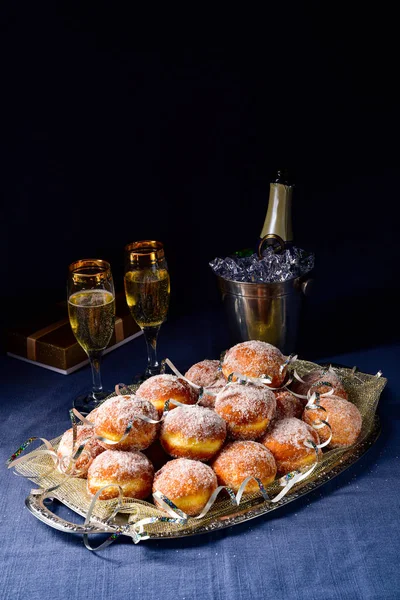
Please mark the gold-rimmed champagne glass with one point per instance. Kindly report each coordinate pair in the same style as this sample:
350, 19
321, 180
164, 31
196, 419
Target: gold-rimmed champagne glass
147, 289
91, 310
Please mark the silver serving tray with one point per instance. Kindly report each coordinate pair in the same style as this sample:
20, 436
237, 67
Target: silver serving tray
38, 505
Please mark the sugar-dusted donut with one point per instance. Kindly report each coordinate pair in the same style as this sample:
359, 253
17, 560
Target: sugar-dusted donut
132, 471
285, 439
193, 432
242, 459
343, 417
247, 410
65, 451
113, 417
255, 359
314, 382
287, 405
160, 388
208, 375
188, 483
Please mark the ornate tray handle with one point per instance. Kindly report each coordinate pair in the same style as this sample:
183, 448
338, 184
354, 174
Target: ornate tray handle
35, 504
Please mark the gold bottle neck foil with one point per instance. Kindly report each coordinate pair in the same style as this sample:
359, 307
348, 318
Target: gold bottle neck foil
279, 214
144, 253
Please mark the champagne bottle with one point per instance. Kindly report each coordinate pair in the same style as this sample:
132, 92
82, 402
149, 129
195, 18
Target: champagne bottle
277, 228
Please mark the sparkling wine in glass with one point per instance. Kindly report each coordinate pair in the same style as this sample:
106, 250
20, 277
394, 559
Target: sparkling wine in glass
91, 309
147, 289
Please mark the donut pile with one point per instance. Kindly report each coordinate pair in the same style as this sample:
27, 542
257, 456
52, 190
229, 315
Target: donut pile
229, 425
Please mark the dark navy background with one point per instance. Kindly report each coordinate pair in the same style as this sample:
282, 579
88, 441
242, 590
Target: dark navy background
108, 138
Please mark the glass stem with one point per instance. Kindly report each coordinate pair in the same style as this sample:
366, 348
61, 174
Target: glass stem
150, 335
95, 361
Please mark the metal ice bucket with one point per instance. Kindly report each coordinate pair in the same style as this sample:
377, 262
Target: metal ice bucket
265, 311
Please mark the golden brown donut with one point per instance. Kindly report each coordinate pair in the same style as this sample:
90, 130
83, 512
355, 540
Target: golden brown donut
255, 359
343, 417
208, 375
313, 381
247, 410
91, 416
287, 405
285, 439
160, 388
91, 450
132, 471
113, 417
239, 460
188, 483
193, 432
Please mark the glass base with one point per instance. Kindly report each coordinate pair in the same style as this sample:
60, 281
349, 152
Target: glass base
85, 403
149, 372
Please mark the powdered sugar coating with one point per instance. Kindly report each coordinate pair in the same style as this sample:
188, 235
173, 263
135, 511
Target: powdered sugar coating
206, 373
91, 450
114, 415
242, 459
291, 431
287, 405
285, 439
343, 417
193, 432
255, 359
120, 465
160, 388
244, 405
195, 422
132, 471
319, 376
183, 477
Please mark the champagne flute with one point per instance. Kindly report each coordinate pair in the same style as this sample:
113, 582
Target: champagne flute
147, 288
91, 309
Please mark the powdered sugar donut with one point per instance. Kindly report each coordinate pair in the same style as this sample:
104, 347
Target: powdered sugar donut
315, 380
247, 410
239, 460
287, 405
193, 432
208, 375
285, 439
343, 417
255, 359
132, 471
188, 483
160, 388
91, 450
113, 417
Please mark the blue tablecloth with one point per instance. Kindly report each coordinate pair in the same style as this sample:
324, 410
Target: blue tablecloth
340, 542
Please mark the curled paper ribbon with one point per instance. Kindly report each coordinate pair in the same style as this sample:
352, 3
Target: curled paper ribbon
179, 374
244, 379
88, 518
290, 359
179, 517
313, 404
65, 464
